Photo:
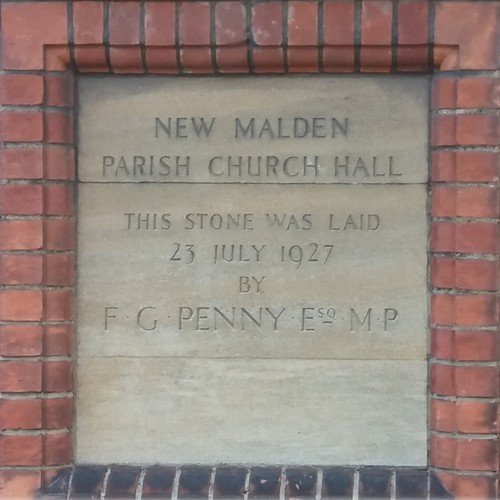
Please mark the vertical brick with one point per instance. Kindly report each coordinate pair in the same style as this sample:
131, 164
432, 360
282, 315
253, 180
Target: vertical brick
338, 33
413, 34
376, 21
444, 130
442, 415
59, 90
444, 92
303, 36
194, 34
230, 26
267, 33
58, 340
58, 128
124, 23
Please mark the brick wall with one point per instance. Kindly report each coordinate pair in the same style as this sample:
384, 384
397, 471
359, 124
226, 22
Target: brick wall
46, 43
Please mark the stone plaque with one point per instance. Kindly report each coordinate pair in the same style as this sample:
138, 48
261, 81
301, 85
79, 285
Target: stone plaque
252, 270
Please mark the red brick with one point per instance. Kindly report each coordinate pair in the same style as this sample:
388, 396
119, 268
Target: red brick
463, 310
477, 454
443, 451
27, 28
230, 23
442, 415
444, 92
21, 163
21, 126
464, 202
126, 59
59, 269
20, 340
21, 234
443, 343
20, 450
232, 59
59, 199
442, 380
58, 340
479, 129
266, 24
338, 22
161, 60
470, 486
472, 26
464, 237
58, 449
57, 413
476, 381
268, 60
91, 59
376, 19
59, 90
413, 21
197, 60
338, 59
478, 345
21, 269
476, 417
59, 163
477, 92
88, 22
464, 274
19, 484
20, 305
58, 305
303, 23
444, 130
476, 166
124, 23
21, 199
194, 23
160, 23
338, 31
57, 376
58, 128
21, 414
20, 376
21, 89
60, 234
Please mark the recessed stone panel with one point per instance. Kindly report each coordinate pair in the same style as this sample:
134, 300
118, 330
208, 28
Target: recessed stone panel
267, 304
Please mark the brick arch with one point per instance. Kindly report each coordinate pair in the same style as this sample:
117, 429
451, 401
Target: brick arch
46, 43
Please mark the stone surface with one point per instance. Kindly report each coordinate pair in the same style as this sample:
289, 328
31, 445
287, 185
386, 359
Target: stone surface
267, 319
381, 117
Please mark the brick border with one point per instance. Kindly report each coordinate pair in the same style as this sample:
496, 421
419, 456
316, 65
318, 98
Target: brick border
45, 43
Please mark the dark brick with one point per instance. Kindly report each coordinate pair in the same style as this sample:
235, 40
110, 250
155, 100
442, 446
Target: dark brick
193, 482
87, 481
158, 482
264, 482
374, 483
230, 482
338, 483
301, 483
